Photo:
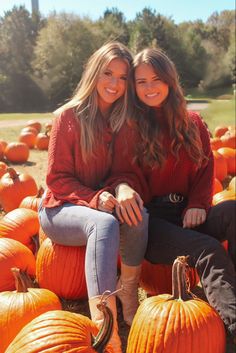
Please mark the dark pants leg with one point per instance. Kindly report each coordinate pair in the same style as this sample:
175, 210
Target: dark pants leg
221, 225
214, 266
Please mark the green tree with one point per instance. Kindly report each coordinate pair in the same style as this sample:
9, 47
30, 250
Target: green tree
62, 48
17, 37
113, 26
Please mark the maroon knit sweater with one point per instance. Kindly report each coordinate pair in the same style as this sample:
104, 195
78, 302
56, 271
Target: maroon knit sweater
69, 178
196, 184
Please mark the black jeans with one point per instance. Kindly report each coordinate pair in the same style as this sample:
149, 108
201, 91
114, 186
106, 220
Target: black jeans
214, 265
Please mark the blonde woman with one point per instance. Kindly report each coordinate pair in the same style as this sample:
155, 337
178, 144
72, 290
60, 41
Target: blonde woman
77, 209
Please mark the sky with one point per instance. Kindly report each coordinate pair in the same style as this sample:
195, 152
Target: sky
178, 10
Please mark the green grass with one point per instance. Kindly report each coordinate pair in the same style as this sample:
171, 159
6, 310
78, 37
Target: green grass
219, 112
25, 116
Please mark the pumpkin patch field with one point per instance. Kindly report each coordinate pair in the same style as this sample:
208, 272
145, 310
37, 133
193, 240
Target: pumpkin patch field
42, 284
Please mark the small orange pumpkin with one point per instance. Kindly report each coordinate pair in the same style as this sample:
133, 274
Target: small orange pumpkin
14, 187
17, 152
42, 141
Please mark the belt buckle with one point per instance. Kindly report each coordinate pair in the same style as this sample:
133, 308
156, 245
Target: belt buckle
175, 198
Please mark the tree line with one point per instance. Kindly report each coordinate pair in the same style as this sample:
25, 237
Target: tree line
42, 58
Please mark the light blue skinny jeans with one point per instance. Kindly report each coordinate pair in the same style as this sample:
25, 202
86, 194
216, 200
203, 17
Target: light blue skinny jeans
104, 238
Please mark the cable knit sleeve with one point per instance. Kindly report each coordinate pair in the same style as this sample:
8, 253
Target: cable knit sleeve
124, 168
62, 179
201, 192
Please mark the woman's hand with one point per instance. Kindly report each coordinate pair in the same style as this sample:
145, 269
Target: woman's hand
194, 217
129, 205
107, 202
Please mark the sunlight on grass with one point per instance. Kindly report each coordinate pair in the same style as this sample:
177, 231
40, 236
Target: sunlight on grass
219, 112
25, 116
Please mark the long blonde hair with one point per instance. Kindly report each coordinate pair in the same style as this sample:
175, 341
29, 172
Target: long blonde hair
84, 99
182, 130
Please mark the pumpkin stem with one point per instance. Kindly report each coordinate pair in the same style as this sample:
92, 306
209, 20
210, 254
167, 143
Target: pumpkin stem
13, 173
40, 192
180, 290
104, 335
22, 280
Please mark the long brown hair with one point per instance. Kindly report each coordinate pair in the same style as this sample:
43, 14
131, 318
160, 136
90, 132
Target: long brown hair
84, 99
182, 130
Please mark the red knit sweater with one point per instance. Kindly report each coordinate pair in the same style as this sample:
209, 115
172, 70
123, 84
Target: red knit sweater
69, 179
184, 178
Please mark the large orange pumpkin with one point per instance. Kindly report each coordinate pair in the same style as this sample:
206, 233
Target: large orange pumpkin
14, 187
60, 331
14, 254
19, 307
179, 323
17, 152
21, 224
61, 269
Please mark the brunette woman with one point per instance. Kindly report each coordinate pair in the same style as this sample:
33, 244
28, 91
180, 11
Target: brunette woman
179, 167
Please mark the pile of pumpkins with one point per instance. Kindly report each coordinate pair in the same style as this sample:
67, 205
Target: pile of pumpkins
30, 137
37, 273
34, 278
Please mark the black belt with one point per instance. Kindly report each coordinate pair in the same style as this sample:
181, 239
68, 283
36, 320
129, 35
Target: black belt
172, 197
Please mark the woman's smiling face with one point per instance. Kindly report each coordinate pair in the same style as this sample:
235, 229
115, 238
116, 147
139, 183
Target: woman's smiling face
149, 87
112, 83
